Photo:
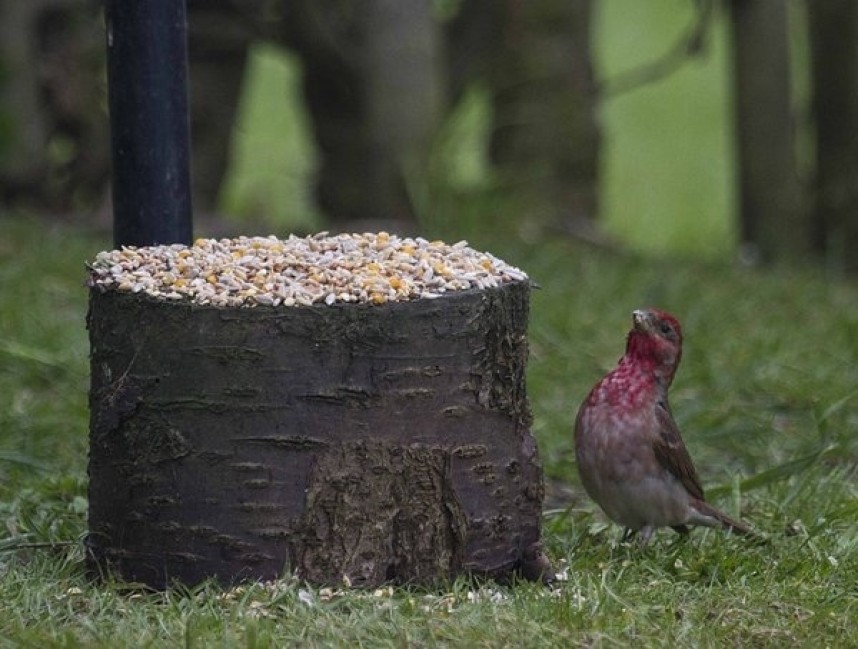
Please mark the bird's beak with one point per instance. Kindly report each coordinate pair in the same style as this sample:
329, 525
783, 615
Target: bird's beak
641, 319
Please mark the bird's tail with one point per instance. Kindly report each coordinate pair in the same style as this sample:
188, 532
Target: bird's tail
736, 527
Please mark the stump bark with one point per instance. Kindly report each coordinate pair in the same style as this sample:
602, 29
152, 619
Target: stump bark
382, 443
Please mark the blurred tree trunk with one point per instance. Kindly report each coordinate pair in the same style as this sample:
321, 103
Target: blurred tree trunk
471, 40
373, 82
327, 39
834, 42
23, 132
218, 43
53, 127
376, 89
402, 70
373, 88
772, 216
546, 136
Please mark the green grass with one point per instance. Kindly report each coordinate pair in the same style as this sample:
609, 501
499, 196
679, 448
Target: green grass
766, 396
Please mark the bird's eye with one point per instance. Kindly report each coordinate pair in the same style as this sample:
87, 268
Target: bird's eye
665, 329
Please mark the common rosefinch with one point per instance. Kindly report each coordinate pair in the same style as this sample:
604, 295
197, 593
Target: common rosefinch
631, 457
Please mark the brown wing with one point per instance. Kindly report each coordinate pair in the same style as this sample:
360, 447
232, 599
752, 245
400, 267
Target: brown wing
671, 452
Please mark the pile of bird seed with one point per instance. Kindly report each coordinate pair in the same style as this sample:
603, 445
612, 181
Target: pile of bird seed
247, 271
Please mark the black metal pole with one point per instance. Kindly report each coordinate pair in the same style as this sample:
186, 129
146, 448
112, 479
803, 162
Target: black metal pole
147, 73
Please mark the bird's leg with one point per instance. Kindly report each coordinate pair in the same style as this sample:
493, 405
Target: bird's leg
646, 535
681, 529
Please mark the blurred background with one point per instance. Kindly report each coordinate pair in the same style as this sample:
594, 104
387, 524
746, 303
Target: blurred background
622, 152
716, 129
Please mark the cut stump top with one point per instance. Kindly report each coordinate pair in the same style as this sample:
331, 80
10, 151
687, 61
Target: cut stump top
377, 442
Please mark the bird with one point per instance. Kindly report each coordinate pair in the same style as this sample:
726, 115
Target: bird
630, 454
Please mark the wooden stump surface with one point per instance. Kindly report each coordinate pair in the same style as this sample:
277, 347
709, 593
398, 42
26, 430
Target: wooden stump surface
378, 443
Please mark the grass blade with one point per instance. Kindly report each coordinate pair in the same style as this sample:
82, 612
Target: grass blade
775, 474
13, 457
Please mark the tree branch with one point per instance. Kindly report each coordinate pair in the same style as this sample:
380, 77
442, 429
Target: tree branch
689, 45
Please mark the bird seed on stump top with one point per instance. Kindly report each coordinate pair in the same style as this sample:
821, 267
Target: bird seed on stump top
348, 407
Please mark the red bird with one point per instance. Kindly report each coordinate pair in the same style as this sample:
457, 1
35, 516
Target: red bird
631, 457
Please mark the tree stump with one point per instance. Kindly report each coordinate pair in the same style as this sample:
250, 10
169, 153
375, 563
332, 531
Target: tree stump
368, 442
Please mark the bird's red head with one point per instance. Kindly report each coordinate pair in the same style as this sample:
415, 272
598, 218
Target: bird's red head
655, 342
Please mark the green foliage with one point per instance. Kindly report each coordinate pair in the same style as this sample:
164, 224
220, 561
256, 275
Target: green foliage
667, 160
766, 397
270, 175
